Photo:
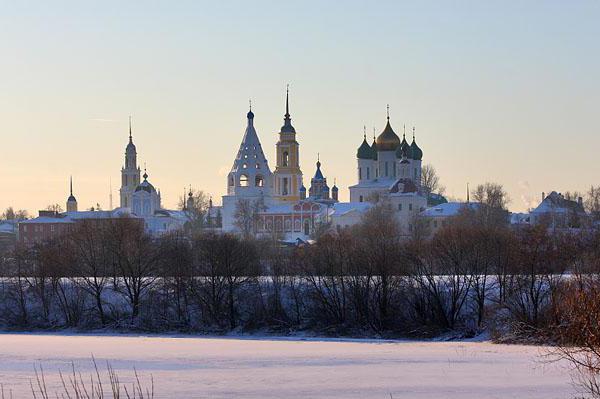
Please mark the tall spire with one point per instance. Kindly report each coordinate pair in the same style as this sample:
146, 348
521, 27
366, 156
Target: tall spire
130, 138
287, 120
71, 185
287, 101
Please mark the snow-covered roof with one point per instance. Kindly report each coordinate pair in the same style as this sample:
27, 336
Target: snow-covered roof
115, 213
556, 203
48, 219
343, 208
376, 183
449, 209
7, 227
519, 218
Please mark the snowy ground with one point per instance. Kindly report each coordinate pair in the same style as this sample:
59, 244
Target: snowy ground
185, 367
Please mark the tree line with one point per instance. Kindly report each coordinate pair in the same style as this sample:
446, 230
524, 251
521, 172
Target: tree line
475, 274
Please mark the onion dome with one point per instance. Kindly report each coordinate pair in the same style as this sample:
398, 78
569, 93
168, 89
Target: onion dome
416, 152
388, 140
364, 151
374, 149
145, 185
404, 149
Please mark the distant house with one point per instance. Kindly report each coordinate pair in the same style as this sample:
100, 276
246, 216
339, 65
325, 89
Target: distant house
440, 215
558, 212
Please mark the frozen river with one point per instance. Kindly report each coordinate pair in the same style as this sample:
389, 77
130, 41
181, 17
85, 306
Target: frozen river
186, 367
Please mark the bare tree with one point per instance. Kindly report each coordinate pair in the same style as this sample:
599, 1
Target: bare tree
90, 242
381, 235
176, 271
196, 207
136, 258
246, 216
493, 201
430, 181
55, 208
577, 332
224, 263
592, 202
11, 214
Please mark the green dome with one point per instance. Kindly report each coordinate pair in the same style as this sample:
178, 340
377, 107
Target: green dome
404, 148
374, 150
364, 151
417, 153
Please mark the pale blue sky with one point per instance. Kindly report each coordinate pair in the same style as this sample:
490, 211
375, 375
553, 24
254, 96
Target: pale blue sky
498, 91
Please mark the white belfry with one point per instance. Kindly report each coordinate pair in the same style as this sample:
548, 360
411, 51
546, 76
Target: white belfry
130, 173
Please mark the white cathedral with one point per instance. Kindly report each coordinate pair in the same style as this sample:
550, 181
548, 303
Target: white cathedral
388, 170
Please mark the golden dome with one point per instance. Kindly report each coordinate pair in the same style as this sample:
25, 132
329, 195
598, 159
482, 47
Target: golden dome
387, 140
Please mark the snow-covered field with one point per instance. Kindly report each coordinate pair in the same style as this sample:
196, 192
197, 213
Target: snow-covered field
186, 367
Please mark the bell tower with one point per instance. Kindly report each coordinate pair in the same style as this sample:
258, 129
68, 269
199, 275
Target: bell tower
287, 175
130, 173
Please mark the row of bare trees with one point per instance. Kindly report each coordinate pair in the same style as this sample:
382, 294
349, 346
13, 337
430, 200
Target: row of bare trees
474, 274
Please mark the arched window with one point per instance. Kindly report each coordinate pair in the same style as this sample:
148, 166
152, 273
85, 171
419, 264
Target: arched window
306, 228
243, 181
259, 182
244, 165
285, 190
297, 225
257, 165
288, 225
286, 158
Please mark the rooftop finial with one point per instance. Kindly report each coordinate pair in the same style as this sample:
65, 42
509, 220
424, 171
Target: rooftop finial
413, 133
71, 184
250, 114
130, 139
145, 176
373, 132
388, 112
365, 132
287, 101
404, 133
